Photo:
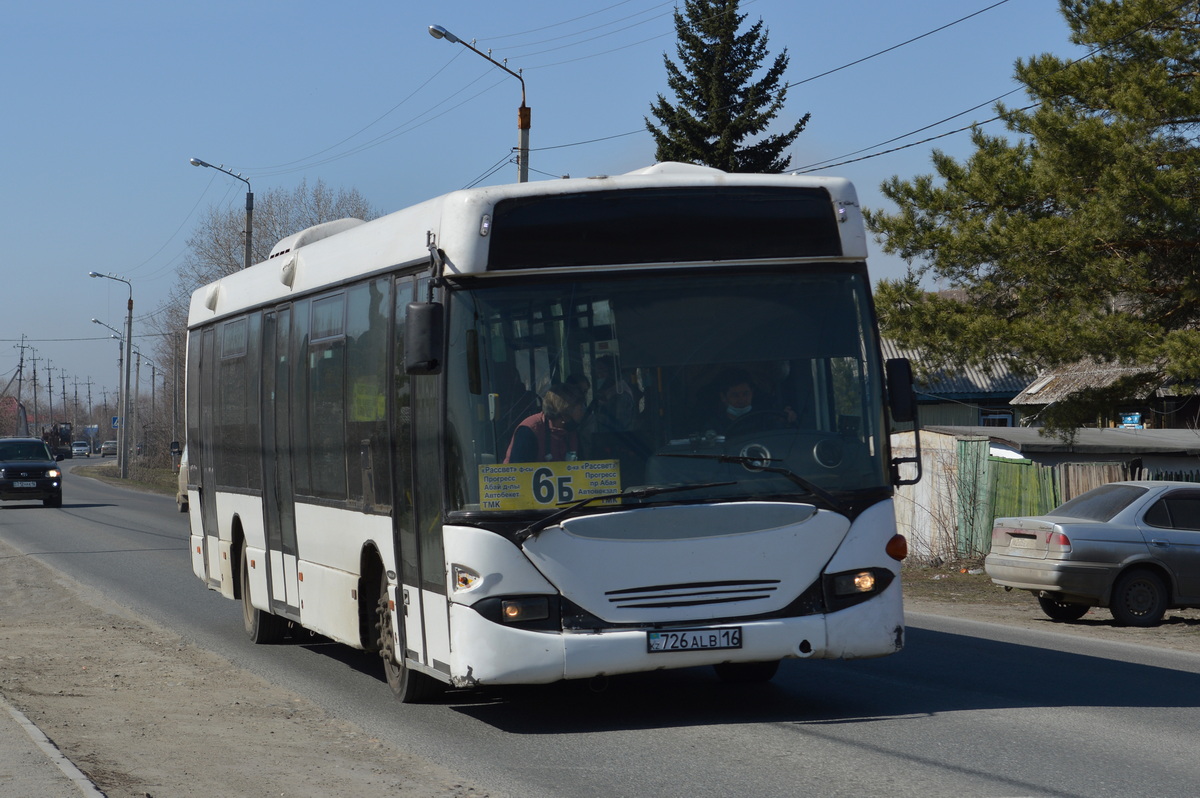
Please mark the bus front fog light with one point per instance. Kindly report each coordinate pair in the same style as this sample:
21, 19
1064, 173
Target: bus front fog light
850, 584
534, 608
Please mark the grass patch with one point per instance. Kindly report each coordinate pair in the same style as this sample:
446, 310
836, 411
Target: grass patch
153, 480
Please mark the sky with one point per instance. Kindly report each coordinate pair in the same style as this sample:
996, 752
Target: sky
104, 103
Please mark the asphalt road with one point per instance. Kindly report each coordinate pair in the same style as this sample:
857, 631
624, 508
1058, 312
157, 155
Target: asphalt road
966, 709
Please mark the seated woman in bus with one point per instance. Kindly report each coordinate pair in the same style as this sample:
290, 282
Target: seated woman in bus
553, 433
735, 393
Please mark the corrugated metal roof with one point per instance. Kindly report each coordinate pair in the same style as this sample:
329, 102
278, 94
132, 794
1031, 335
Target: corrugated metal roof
995, 381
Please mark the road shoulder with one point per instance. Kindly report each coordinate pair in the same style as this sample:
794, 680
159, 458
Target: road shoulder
142, 712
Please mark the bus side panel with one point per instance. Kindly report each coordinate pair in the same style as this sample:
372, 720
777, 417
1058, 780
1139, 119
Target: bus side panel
329, 602
323, 579
196, 540
335, 537
246, 511
436, 619
283, 578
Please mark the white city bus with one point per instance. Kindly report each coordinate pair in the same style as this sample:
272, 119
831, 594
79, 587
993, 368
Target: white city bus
352, 402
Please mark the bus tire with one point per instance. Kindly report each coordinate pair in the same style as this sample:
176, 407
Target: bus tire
409, 686
261, 627
746, 672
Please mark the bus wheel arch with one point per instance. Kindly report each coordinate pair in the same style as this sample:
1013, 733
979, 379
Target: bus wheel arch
370, 577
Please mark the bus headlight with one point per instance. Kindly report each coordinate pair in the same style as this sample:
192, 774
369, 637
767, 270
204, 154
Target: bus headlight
532, 613
848, 588
849, 584
521, 610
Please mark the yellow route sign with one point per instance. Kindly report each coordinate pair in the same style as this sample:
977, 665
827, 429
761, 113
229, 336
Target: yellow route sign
545, 486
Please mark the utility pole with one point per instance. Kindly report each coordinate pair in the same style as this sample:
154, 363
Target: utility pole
50, 389
34, 359
20, 379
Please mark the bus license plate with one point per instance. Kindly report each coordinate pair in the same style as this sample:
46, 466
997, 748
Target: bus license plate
694, 639
24, 484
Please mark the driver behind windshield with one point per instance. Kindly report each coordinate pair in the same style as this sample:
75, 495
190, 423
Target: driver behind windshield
736, 392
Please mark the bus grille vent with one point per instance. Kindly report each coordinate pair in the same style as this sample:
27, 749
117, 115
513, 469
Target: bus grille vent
692, 594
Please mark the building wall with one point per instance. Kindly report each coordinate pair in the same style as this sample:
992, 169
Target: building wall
960, 414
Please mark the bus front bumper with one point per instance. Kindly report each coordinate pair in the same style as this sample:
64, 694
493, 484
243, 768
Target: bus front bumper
485, 652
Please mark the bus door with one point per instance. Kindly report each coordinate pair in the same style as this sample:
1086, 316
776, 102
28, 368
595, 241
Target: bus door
279, 506
204, 452
421, 596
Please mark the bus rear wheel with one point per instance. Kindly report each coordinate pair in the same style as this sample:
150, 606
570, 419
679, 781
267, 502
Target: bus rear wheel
261, 627
408, 686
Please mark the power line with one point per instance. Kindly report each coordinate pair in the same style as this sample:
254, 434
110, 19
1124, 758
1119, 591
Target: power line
827, 164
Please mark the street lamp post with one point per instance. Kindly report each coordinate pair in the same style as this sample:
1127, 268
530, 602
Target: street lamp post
524, 114
249, 202
122, 435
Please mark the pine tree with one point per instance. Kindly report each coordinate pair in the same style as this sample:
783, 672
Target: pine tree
1081, 239
720, 104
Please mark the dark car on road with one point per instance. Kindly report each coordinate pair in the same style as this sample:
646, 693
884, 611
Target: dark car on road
1133, 547
29, 471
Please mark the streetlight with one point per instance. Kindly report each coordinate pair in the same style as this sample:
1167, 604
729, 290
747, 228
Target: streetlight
122, 437
249, 201
523, 113
116, 334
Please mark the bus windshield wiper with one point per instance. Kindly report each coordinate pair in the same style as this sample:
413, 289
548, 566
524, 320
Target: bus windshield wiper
631, 493
761, 464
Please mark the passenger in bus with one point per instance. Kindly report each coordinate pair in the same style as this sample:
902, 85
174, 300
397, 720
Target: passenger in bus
553, 433
736, 396
613, 406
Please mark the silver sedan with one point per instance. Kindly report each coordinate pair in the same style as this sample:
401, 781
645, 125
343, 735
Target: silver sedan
1133, 547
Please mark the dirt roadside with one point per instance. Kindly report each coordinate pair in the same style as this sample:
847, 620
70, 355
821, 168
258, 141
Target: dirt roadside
144, 713
953, 590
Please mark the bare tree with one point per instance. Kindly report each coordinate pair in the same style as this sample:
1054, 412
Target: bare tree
217, 249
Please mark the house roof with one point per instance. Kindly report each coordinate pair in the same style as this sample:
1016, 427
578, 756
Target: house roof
995, 381
1056, 384
1088, 440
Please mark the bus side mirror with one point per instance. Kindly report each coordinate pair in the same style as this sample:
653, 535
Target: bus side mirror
902, 399
423, 338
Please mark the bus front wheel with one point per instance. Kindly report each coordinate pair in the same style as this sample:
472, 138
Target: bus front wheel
408, 686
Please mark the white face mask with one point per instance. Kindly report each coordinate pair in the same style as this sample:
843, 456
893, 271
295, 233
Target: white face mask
737, 411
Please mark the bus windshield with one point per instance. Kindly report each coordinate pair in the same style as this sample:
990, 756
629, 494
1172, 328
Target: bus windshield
579, 387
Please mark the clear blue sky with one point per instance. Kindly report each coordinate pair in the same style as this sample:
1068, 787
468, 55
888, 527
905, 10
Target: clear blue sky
103, 104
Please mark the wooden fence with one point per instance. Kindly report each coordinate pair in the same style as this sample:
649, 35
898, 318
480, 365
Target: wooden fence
949, 514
